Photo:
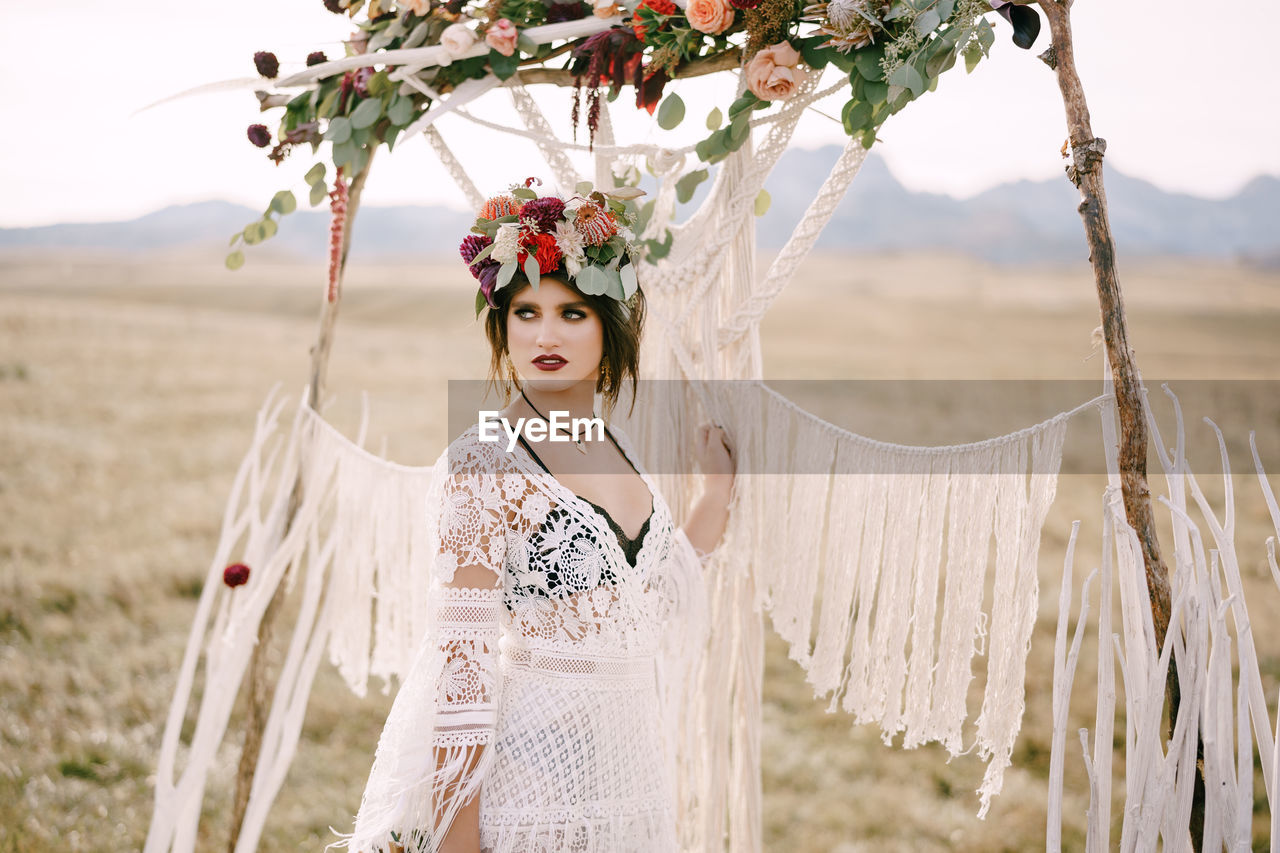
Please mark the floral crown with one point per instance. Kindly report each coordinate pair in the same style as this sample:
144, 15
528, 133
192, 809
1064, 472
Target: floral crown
521, 236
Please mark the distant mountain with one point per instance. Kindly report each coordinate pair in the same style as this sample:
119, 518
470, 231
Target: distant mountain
1016, 222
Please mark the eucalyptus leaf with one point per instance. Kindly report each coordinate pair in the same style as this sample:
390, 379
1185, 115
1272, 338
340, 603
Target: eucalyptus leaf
284, 202
687, 184
763, 200
417, 36
670, 112
868, 139
986, 35
867, 62
927, 22
875, 92
715, 118
855, 117
532, 271
505, 273
390, 137
946, 8
401, 111
629, 283
940, 62
315, 175
898, 10
360, 160
503, 67
339, 130
481, 302
907, 76
583, 188
344, 153
379, 84
659, 249
592, 280
329, 104
367, 113
235, 260
319, 192
744, 103
738, 131
253, 234
972, 56
269, 228
524, 193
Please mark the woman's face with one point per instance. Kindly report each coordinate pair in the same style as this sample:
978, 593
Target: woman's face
555, 338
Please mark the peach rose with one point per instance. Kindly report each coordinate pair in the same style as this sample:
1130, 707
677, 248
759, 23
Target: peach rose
605, 8
709, 16
457, 39
417, 7
502, 36
774, 73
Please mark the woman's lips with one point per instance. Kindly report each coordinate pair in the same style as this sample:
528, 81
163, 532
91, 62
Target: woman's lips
549, 362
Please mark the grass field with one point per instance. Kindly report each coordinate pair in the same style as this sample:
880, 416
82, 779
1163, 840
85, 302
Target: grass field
127, 393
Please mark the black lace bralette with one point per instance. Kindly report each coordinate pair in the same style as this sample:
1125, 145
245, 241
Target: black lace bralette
630, 547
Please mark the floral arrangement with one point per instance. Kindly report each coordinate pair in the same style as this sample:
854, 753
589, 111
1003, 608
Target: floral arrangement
521, 236
893, 51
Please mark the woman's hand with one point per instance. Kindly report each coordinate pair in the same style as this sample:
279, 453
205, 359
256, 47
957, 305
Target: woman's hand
710, 514
711, 449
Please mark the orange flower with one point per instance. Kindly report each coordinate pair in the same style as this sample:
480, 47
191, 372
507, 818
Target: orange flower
499, 206
595, 224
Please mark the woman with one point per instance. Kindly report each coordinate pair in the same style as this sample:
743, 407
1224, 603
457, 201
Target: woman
539, 713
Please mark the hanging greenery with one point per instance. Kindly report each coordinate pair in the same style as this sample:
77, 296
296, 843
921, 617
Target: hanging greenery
893, 51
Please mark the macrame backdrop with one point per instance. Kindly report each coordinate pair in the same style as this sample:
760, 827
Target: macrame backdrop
875, 580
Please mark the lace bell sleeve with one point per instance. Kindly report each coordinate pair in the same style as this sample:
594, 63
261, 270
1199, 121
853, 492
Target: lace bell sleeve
432, 756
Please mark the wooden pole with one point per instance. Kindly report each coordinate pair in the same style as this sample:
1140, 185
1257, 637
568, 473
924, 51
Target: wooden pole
257, 702
1085, 171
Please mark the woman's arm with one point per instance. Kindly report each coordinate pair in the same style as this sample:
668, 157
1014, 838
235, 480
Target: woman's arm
709, 516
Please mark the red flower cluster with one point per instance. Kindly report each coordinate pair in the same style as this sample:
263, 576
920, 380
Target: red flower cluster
337, 227
235, 574
662, 7
545, 251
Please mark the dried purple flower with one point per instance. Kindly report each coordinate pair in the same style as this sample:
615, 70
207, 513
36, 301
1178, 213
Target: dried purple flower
316, 58
259, 135
361, 81
266, 63
235, 575
543, 212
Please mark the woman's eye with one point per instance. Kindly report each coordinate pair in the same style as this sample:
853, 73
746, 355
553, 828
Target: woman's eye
524, 313
574, 315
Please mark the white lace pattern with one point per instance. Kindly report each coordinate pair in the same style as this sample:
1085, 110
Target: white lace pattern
549, 676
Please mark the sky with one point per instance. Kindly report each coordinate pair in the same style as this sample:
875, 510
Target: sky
1183, 97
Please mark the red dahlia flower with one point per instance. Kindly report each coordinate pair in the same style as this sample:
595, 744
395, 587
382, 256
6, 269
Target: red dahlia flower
545, 252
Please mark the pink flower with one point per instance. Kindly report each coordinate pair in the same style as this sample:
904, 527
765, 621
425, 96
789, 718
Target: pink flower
417, 7
501, 36
773, 73
709, 16
457, 39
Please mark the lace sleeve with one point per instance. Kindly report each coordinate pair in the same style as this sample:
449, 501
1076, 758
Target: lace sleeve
431, 758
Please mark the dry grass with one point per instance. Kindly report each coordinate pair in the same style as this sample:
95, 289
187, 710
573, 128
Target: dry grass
127, 392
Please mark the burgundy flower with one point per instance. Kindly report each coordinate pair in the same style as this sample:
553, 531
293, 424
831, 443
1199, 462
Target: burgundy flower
572, 10
488, 276
744, 4
316, 58
334, 6
361, 81
472, 245
544, 212
259, 135
235, 574
266, 63
454, 7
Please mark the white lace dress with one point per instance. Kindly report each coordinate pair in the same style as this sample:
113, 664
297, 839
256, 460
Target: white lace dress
550, 674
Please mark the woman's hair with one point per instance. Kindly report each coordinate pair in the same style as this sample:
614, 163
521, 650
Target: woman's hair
623, 325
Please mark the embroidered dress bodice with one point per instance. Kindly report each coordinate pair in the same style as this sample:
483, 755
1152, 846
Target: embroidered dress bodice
630, 545
546, 682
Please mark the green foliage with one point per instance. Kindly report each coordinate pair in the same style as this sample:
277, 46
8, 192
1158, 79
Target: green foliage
670, 112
